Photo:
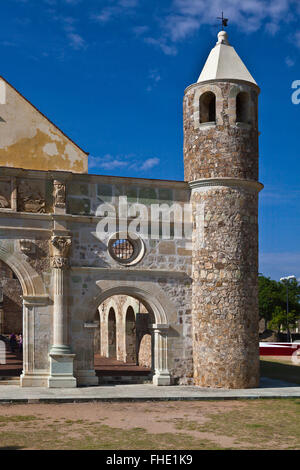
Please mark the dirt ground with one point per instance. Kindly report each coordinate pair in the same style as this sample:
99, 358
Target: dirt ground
257, 424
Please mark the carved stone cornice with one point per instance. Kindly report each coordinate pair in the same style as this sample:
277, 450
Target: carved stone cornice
229, 182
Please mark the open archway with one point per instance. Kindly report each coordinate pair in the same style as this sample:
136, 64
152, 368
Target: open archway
112, 334
130, 336
33, 299
11, 324
138, 325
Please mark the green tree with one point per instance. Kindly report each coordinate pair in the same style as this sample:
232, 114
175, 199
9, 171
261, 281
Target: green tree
269, 297
280, 320
273, 303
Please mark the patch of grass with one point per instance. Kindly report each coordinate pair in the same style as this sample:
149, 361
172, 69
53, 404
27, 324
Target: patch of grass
274, 369
17, 419
262, 424
99, 437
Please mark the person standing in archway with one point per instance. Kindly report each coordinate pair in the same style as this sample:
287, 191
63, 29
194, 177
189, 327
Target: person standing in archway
12, 342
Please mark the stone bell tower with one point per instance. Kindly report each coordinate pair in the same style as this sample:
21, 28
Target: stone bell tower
221, 166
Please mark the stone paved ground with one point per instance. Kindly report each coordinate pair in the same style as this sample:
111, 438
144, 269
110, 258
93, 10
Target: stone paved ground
269, 389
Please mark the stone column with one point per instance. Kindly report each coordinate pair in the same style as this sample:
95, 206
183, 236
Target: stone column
225, 291
162, 375
61, 358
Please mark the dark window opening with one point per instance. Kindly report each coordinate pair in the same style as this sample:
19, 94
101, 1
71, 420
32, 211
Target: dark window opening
242, 107
207, 107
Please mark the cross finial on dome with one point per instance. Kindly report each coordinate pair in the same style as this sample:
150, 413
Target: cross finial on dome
224, 20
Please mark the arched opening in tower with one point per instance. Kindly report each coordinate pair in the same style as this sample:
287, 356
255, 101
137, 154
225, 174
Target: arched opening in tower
123, 341
242, 107
207, 107
11, 325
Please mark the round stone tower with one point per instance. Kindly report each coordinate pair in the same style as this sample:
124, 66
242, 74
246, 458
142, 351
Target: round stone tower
221, 166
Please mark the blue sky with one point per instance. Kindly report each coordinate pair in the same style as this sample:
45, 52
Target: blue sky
111, 74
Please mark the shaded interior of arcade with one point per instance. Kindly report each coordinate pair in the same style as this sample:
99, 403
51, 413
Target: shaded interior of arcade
123, 342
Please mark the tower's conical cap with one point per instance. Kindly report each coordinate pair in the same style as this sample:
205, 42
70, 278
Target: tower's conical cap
224, 63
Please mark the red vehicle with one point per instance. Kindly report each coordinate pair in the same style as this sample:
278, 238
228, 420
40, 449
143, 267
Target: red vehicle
278, 349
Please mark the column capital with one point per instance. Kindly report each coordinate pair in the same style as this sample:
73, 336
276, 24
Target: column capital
59, 250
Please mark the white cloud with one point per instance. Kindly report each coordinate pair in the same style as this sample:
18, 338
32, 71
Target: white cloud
187, 16
139, 30
110, 163
276, 196
277, 265
297, 39
150, 163
167, 49
154, 77
76, 41
289, 62
120, 7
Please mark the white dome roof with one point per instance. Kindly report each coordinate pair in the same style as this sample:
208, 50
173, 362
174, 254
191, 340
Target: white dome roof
224, 63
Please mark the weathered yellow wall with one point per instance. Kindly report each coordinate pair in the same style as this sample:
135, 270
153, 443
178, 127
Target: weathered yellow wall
28, 140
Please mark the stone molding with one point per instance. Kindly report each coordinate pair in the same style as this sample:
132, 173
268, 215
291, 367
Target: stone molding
228, 182
120, 273
222, 80
35, 300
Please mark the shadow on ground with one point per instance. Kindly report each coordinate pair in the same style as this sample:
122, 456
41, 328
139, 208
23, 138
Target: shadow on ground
280, 371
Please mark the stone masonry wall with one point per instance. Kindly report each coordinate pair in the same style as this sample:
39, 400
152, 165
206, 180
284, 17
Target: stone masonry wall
225, 149
225, 293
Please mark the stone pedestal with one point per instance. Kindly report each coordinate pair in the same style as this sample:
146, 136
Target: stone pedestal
61, 371
33, 375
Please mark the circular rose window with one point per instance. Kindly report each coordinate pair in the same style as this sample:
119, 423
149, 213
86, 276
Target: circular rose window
126, 250
122, 249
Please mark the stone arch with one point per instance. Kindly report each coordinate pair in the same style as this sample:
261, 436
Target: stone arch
31, 282
112, 333
209, 88
235, 91
130, 302
34, 297
146, 297
242, 107
103, 325
154, 306
130, 335
207, 107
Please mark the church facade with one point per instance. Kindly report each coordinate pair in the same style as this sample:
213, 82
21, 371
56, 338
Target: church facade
65, 237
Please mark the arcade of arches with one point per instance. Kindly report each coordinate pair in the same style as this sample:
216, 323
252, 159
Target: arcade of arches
123, 334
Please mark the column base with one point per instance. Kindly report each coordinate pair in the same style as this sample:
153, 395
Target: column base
61, 371
34, 380
160, 379
87, 377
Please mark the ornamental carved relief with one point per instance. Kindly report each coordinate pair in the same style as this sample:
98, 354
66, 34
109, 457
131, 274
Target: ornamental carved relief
25, 246
59, 194
31, 196
60, 250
